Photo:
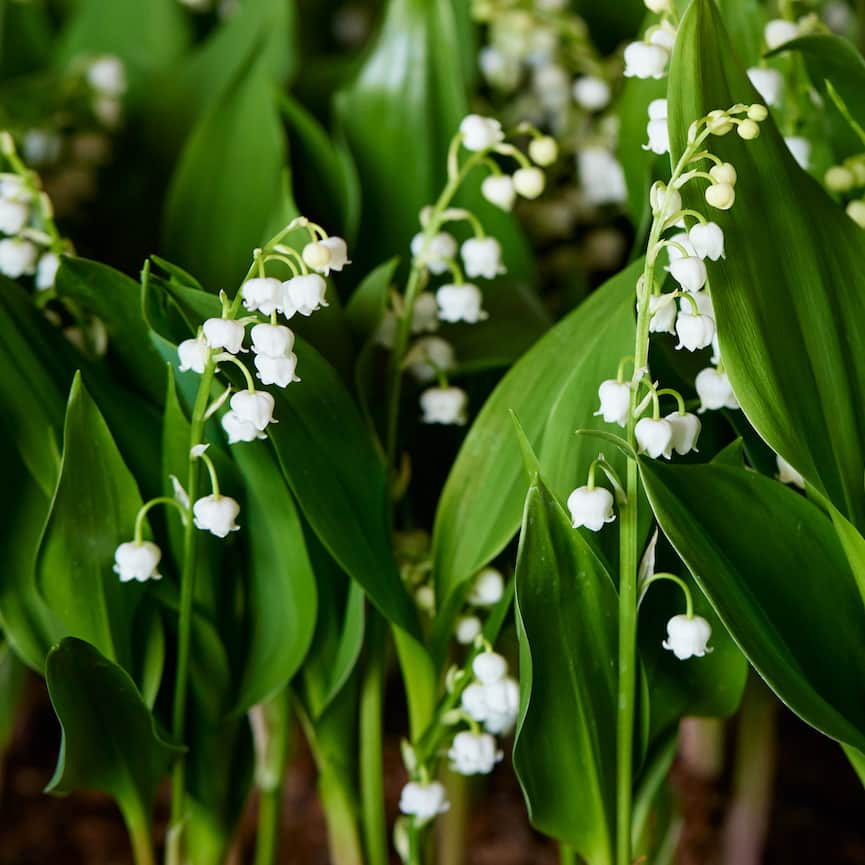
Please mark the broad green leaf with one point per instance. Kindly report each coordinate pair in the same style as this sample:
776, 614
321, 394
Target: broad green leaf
857, 761
790, 325
110, 741
261, 30
771, 565
553, 391
367, 304
835, 61
146, 36
116, 300
406, 103
339, 481
227, 183
565, 749
93, 510
280, 585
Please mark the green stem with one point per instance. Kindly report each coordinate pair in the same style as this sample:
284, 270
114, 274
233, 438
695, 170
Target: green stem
184, 627
453, 824
138, 826
567, 855
267, 836
371, 764
340, 814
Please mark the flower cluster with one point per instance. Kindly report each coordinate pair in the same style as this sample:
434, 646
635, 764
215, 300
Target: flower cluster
650, 57
30, 245
251, 411
436, 252
686, 311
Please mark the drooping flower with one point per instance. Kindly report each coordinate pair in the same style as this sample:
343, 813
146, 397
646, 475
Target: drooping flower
429, 356
255, 407
482, 256
602, 177
653, 436
489, 667
686, 431
193, 354
778, 31
615, 397
461, 302
239, 429
424, 802
544, 150
656, 129
707, 240
592, 93
425, 315
662, 308
690, 272
591, 507
273, 340
714, 390
787, 474
480, 133
473, 753
468, 627
444, 405
442, 248
305, 293
137, 561
13, 216
800, 148
224, 333
694, 331
529, 182
216, 514
280, 371
502, 700
263, 294
17, 257
499, 189
644, 60
768, 83
488, 588
688, 637
107, 76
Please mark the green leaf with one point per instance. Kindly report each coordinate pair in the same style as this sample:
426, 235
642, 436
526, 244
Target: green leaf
110, 742
771, 565
145, 36
553, 391
116, 300
567, 613
834, 61
368, 302
790, 325
93, 510
228, 182
280, 585
339, 481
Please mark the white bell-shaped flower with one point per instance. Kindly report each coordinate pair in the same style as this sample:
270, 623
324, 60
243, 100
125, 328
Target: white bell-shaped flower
193, 354
137, 561
689, 272
654, 436
14, 215
424, 802
338, 254
529, 182
256, 407
688, 637
707, 240
306, 293
643, 60
592, 93
444, 405
224, 333
473, 753
801, 150
680, 239
686, 431
659, 136
262, 294
13, 188
715, 391
467, 629
474, 702
429, 356
280, 371
602, 177
46, 271
499, 190
768, 83
543, 151
502, 699
787, 474
107, 76
480, 133
17, 257
441, 249
216, 514
662, 308
694, 331
488, 588
460, 303
482, 256
778, 31
664, 36
489, 667
591, 507
615, 397
273, 340
239, 429
425, 598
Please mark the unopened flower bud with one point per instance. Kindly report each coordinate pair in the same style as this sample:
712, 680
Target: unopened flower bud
856, 212
529, 182
488, 588
720, 196
748, 129
544, 150
468, 627
838, 178
718, 122
757, 112
499, 189
724, 173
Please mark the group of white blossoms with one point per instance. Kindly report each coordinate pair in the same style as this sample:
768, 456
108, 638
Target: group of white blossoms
489, 705
435, 251
220, 340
